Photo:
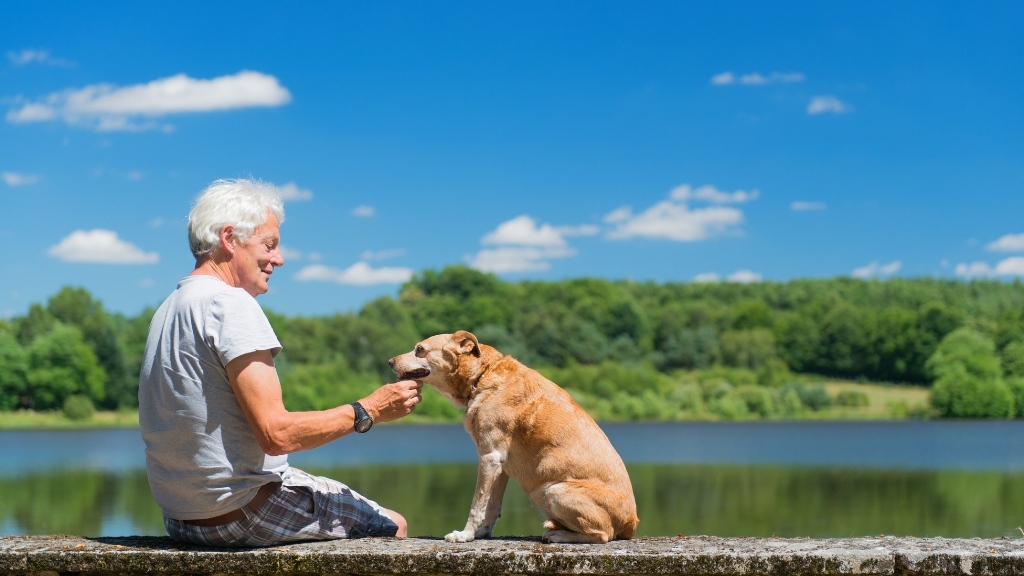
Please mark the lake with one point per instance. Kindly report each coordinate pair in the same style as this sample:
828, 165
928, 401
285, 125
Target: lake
818, 479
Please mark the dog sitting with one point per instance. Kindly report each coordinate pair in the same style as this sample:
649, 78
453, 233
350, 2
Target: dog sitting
526, 427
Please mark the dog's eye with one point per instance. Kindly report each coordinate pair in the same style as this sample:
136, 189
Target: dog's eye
419, 350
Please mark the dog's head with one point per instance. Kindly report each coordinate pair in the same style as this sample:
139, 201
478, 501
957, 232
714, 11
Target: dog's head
448, 362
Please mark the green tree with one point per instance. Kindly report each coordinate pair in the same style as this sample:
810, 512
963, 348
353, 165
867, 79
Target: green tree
60, 364
968, 376
13, 368
76, 307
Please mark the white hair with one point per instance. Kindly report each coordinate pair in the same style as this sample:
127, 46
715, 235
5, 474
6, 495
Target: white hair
241, 203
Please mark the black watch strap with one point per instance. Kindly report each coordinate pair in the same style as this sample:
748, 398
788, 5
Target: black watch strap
363, 420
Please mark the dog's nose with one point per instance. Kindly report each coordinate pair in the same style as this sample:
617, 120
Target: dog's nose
391, 363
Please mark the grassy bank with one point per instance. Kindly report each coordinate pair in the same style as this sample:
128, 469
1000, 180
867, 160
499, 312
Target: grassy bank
55, 420
883, 402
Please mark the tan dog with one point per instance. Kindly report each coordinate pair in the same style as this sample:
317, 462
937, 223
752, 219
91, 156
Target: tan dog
526, 427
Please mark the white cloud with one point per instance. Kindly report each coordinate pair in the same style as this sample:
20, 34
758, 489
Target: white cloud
525, 246
619, 215
13, 179
1013, 266
756, 79
364, 211
523, 231
382, 254
822, 104
517, 258
744, 277
291, 192
707, 277
156, 222
672, 221
358, 274
876, 269
146, 283
289, 253
800, 206
581, 230
315, 256
713, 195
1008, 243
100, 247
723, 79
105, 107
28, 56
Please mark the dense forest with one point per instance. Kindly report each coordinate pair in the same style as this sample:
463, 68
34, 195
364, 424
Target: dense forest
625, 350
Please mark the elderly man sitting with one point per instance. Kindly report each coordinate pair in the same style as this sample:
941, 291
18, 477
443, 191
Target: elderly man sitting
216, 430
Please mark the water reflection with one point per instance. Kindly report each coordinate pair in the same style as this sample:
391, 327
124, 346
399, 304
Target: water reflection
725, 500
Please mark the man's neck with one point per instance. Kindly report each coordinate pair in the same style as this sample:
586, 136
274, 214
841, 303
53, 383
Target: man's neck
219, 270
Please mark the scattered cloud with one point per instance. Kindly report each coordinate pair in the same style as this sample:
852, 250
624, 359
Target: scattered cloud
146, 283
30, 56
741, 276
382, 254
744, 277
1013, 266
1008, 243
156, 222
713, 195
291, 192
108, 108
756, 79
358, 274
823, 104
518, 258
315, 256
100, 247
876, 269
364, 211
944, 262
135, 175
673, 219
290, 254
14, 179
523, 231
525, 246
800, 206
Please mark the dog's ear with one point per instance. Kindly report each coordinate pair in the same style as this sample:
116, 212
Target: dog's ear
466, 343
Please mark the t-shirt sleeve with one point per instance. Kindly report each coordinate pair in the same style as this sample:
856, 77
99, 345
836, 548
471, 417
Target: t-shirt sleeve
236, 325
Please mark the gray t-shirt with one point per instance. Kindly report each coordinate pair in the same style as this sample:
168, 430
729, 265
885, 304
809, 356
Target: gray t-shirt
201, 454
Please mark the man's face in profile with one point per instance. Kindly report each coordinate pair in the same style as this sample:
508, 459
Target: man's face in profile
255, 260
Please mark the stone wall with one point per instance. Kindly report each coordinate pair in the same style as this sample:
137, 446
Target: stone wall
50, 555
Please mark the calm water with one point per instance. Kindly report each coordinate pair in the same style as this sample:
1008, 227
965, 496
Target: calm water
756, 479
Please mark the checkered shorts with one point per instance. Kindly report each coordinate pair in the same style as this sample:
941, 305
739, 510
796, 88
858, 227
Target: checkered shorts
305, 507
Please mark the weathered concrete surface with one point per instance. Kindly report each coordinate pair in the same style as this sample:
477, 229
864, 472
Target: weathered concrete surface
50, 555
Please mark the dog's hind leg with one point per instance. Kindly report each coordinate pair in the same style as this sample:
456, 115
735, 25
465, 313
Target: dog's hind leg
577, 515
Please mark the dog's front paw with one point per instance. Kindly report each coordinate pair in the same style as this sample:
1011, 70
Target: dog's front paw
459, 536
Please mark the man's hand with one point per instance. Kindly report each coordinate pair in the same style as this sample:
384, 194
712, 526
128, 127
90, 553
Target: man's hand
392, 401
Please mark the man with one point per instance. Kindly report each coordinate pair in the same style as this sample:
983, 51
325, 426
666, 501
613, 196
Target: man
216, 430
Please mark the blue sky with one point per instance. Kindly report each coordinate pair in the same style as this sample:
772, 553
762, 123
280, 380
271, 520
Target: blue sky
650, 141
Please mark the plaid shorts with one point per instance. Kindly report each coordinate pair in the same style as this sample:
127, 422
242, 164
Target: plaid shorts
305, 507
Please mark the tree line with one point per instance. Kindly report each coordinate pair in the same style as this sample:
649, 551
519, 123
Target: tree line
610, 343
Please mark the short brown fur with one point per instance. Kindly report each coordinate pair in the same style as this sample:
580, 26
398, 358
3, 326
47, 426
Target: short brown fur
526, 427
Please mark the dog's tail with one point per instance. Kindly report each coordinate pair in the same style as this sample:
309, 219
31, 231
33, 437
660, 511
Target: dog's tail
628, 529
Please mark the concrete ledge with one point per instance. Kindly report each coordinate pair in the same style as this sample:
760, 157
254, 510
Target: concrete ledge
703, 555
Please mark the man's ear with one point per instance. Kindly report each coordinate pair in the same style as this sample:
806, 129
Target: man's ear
227, 238
466, 343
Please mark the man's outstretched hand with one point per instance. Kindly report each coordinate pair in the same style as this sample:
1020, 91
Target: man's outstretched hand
392, 401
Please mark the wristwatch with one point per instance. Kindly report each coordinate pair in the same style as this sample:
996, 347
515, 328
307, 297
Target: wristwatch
363, 420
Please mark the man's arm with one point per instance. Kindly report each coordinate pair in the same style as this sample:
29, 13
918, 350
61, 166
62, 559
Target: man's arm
254, 381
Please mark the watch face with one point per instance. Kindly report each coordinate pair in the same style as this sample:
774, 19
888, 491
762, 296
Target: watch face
364, 424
